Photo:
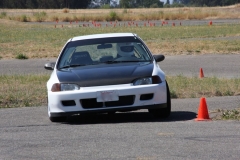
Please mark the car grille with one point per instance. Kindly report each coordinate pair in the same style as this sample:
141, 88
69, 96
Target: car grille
92, 102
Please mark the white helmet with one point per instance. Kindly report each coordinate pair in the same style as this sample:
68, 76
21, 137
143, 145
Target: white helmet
125, 49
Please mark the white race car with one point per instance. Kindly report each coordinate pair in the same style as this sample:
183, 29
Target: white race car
106, 73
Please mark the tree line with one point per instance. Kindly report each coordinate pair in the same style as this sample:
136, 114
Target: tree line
80, 4
209, 3
44, 4
160, 3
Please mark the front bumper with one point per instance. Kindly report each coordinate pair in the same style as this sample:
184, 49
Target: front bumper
60, 114
58, 107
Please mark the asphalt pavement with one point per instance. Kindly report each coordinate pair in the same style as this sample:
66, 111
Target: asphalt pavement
26, 133
222, 66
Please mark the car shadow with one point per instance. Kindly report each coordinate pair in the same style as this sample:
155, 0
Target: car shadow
128, 117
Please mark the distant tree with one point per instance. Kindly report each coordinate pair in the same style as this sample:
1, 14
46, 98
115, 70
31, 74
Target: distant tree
186, 2
79, 3
140, 3
31, 4
127, 3
148, 3
176, 3
13, 4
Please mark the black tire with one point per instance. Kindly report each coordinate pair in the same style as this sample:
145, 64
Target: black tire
57, 119
163, 112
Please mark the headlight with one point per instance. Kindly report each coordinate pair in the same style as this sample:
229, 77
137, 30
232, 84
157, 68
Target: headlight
69, 87
64, 87
143, 81
147, 80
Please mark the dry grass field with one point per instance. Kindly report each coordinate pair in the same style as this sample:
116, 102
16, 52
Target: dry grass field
122, 14
19, 39
23, 40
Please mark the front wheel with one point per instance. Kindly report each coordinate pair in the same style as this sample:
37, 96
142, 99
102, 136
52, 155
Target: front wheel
163, 112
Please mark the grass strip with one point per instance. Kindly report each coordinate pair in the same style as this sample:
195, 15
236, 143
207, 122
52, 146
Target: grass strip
30, 90
194, 87
225, 114
23, 90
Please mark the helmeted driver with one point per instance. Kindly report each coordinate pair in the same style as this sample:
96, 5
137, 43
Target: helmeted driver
125, 49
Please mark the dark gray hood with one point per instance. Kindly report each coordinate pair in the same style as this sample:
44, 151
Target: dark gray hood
105, 74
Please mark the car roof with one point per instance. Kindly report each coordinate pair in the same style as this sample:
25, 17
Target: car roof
105, 35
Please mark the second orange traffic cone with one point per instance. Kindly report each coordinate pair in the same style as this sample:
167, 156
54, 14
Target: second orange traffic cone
201, 75
203, 111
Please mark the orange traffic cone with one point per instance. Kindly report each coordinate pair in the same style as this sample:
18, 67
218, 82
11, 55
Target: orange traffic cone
210, 23
203, 111
201, 75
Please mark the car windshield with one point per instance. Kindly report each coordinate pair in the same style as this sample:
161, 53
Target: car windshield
103, 50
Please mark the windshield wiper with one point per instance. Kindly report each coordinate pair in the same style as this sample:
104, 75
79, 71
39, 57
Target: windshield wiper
109, 62
72, 65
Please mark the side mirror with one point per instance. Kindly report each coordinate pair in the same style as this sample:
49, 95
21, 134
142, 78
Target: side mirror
159, 58
49, 66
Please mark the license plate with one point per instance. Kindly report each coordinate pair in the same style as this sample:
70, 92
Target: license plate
106, 96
